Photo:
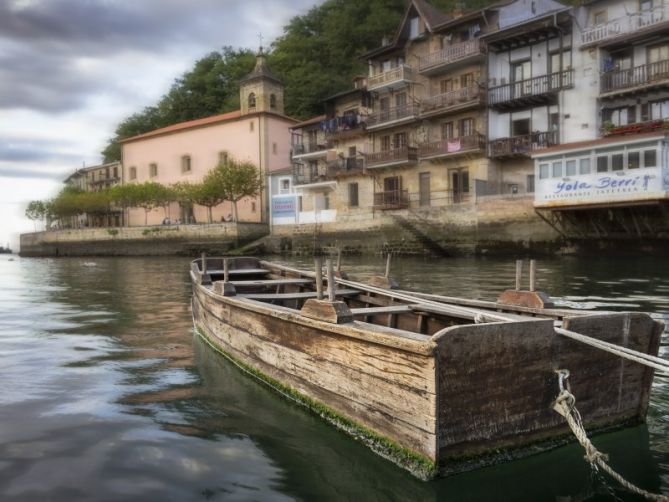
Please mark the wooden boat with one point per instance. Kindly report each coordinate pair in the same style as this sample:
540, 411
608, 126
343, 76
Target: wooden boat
438, 385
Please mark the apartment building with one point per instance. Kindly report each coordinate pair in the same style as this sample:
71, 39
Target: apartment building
93, 179
614, 181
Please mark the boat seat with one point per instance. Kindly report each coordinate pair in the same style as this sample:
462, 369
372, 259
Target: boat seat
240, 271
274, 282
390, 309
296, 296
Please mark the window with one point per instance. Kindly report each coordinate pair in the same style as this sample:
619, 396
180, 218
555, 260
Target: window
543, 171
466, 80
658, 53
385, 143
571, 167
414, 27
633, 160
602, 164
659, 110
466, 127
649, 158
617, 162
599, 18
520, 127
584, 166
253, 207
116, 172
133, 173
446, 86
274, 148
252, 101
251, 126
272, 101
385, 66
555, 61
153, 170
557, 169
353, 195
447, 130
399, 140
530, 183
223, 157
620, 116
424, 189
185, 164
352, 151
284, 185
401, 99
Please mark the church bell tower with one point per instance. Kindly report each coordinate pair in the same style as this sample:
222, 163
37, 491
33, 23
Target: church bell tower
260, 90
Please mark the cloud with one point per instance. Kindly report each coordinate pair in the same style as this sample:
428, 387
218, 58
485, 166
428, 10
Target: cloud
27, 173
36, 150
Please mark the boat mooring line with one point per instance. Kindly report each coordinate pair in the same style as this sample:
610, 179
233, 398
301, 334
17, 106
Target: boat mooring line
565, 405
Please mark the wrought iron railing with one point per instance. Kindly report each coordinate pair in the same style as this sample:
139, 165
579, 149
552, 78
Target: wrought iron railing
627, 24
400, 73
392, 156
452, 146
451, 99
345, 166
393, 114
304, 148
536, 86
523, 144
450, 54
394, 199
647, 74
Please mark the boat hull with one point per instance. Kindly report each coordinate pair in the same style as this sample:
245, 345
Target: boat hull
465, 397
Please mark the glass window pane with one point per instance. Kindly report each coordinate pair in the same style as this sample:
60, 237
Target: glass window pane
633, 160
617, 162
543, 171
585, 166
557, 169
602, 164
571, 167
649, 158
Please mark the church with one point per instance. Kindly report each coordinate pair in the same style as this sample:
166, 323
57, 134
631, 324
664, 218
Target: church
258, 132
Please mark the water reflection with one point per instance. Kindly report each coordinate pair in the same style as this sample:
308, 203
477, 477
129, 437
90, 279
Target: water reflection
112, 398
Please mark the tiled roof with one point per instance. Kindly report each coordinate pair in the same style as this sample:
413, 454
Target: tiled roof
187, 125
430, 13
308, 122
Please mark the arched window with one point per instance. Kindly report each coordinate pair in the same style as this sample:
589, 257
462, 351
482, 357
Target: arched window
252, 100
272, 101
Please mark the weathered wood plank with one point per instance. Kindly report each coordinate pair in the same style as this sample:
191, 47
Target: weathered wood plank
273, 282
241, 271
396, 309
368, 400
295, 296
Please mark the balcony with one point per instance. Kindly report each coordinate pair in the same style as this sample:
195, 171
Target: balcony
396, 77
521, 146
349, 166
393, 116
635, 79
640, 23
638, 128
393, 157
530, 92
456, 53
344, 127
310, 151
452, 147
451, 101
394, 199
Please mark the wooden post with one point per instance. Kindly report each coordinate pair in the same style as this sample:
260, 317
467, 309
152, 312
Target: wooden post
331, 280
318, 265
339, 260
519, 273
533, 275
388, 265
204, 263
226, 270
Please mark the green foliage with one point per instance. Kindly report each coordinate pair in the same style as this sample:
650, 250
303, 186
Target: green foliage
237, 180
36, 210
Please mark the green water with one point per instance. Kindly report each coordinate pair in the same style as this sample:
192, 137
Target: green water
107, 395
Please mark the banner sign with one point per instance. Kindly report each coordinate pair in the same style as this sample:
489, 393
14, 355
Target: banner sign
284, 206
601, 187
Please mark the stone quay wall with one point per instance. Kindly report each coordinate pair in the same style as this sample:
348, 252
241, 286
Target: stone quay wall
491, 225
186, 240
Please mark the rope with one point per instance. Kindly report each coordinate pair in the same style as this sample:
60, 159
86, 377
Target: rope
629, 354
565, 405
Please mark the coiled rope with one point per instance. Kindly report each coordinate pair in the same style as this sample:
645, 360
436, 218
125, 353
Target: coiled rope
565, 405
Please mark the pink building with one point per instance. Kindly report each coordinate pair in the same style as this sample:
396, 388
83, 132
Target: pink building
258, 132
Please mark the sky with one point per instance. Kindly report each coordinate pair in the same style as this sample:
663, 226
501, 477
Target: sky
71, 70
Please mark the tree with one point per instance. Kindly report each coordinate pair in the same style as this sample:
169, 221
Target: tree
209, 193
237, 180
36, 210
